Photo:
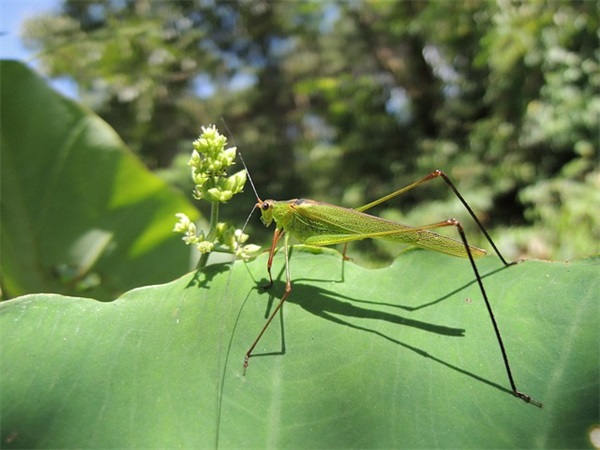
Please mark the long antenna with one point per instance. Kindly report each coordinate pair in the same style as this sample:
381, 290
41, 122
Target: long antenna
249, 177
243, 164
258, 200
237, 243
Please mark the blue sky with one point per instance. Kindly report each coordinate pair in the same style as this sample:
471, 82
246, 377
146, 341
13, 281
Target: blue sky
12, 15
14, 12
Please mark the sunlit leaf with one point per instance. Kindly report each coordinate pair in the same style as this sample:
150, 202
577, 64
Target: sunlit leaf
401, 357
80, 213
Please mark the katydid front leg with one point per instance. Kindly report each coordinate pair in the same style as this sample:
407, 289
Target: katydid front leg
288, 288
276, 236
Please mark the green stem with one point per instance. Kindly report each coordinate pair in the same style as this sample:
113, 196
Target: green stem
214, 220
202, 261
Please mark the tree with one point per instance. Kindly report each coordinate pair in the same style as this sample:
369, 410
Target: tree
347, 101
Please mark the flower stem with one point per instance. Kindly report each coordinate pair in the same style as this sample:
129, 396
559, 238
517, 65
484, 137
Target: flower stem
214, 220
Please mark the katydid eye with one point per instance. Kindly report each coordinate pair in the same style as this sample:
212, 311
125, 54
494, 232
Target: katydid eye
264, 206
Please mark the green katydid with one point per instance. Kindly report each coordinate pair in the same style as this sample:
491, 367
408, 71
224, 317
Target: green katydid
320, 224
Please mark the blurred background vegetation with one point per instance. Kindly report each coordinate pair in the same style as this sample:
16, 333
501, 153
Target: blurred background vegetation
347, 101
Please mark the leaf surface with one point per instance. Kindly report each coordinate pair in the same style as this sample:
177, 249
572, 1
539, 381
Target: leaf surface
79, 210
401, 357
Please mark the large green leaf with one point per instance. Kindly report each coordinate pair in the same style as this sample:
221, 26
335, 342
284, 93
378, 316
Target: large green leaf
78, 209
398, 357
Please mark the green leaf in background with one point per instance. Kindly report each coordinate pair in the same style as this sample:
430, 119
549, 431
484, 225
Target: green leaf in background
79, 211
401, 357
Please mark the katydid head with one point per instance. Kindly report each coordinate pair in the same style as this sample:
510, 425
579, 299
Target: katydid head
266, 211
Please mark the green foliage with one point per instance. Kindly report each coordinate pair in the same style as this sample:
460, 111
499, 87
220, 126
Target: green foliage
80, 214
500, 95
401, 357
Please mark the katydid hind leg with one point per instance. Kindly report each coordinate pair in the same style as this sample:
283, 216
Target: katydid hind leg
439, 173
516, 392
425, 179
